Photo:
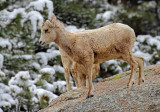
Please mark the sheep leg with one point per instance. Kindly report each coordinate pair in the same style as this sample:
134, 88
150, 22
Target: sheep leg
130, 60
133, 71
87, 85
67, 65
75, 75
82, 80
96, 69
90, 85
89, 80
132, 77
67, 78
140, 62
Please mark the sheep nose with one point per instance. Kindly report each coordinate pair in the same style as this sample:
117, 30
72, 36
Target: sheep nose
40, 42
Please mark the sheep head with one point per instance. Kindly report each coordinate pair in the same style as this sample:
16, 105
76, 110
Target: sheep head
48, 31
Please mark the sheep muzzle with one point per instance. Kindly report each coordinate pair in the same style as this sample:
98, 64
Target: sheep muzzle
42, 43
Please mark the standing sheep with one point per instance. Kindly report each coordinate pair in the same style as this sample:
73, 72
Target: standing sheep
95, 46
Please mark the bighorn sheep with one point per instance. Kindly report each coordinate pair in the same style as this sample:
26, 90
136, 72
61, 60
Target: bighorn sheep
95, 46
77, 71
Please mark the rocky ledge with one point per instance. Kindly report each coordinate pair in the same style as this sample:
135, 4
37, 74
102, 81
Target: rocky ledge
112, 95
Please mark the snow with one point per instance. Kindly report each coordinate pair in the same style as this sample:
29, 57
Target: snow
37, 5
15, 89
107, 15
158, 38
143, 46
152, 4
40, 5
34, 17
25, 56
2, 74
60, 85
158, 62
146, 56
133, 14
52, 54
23, 79
72, 28
1, 110
1, 60
154, 42
36, 65
23, 74
4, 43
50, 71
21, 44
45, 57
114, 65
59, 68
4, 88
6, 100
7, 16
41, 92
34, 99
49, 87
20, 79
14, 14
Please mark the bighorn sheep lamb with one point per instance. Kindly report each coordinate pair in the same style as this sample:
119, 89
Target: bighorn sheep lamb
95, 46
77, 71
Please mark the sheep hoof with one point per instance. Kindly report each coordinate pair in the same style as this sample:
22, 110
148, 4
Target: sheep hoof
131, 83
141, 81
89, 96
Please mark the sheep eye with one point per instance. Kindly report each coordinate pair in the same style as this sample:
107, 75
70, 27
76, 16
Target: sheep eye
46, 30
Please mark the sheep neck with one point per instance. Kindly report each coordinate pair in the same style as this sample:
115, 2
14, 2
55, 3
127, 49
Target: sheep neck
64, 39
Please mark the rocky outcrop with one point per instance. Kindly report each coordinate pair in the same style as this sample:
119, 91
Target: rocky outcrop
112, 95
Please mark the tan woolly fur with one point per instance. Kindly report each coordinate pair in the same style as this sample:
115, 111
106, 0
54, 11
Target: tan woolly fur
95, 46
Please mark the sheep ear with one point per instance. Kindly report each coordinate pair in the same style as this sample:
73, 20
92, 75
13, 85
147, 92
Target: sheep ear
42, 24
50, 24
53, 17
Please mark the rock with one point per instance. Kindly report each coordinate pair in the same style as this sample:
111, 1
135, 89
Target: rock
112, 95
